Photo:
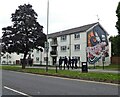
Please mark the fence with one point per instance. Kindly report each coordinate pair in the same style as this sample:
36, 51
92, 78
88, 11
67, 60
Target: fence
115, 60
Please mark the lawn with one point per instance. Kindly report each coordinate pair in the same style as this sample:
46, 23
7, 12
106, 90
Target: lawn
95, 76
110, 67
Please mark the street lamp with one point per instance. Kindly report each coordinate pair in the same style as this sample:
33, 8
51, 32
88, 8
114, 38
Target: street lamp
103, 56
7, 56
47, 44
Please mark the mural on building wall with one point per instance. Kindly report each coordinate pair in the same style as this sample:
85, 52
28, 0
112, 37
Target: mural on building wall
97, 45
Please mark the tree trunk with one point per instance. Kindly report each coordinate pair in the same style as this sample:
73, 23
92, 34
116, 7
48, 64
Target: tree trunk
24, 61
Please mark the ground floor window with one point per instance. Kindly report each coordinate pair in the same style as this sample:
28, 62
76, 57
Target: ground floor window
37, 59
77, 47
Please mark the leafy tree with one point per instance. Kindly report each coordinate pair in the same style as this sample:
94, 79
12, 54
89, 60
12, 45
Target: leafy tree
25, 34
116, 39
115, 44
118, 16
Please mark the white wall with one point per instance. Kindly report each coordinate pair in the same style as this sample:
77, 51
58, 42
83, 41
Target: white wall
11, 58
63, 43
70, 47
82, 42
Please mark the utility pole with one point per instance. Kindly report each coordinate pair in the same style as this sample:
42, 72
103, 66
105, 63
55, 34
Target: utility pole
47, 44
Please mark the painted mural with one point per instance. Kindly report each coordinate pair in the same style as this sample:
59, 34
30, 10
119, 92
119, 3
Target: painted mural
97, 45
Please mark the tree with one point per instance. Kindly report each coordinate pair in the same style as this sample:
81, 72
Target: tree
25, 34
118, 16
115, 45
116, 39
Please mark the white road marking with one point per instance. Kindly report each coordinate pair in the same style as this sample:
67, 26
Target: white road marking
87, 81
17, 91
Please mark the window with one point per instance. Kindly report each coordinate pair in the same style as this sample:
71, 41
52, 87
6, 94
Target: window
77, 47
10, 62
37, 59
63, 48
45, 58
77, 35
63, 38
3, 62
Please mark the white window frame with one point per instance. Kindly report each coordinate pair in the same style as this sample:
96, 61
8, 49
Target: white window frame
63, 48
63, 38
76, 48
77, 36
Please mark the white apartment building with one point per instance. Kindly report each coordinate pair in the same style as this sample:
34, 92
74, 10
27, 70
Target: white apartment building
88, 43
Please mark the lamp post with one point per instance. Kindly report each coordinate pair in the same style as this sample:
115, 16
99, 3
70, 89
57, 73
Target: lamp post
103, 56
47, 36
7, 58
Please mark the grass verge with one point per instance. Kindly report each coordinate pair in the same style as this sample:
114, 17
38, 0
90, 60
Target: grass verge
94, 76
109, 67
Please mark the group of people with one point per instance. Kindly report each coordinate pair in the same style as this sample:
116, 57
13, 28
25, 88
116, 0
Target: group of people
68, 62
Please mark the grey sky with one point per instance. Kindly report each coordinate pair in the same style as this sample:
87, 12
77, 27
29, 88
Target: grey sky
65, 14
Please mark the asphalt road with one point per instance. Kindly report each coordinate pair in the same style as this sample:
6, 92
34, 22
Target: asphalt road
15, 83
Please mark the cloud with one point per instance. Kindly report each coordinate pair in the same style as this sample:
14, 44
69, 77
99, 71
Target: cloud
65, 14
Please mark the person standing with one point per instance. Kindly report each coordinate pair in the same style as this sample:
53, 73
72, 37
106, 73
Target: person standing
76, 61
69, 62
60, 63
65, 62
72, 61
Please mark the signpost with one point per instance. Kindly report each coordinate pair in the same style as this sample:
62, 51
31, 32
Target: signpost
46, 49
103, 60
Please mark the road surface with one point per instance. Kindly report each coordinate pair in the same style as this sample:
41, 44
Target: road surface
16, 83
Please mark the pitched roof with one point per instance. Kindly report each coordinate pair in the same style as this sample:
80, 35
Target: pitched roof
71, 31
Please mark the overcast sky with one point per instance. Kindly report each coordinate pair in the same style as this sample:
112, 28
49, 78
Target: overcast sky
65, 14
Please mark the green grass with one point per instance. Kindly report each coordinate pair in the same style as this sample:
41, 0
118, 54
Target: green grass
110, 67
105, 77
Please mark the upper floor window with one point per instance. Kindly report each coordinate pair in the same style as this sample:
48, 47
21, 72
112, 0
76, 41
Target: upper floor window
63, 48
77, 35
77, 47
63, 38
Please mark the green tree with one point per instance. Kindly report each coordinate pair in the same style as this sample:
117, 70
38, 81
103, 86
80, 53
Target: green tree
115, 45
25, 34
118, 16
116, 39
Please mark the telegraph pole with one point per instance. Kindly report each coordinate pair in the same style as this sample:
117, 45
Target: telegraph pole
47, 44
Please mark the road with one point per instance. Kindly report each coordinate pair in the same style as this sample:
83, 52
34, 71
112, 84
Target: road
16, 83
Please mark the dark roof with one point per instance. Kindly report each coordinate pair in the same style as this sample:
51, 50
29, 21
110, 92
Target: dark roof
71, 31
